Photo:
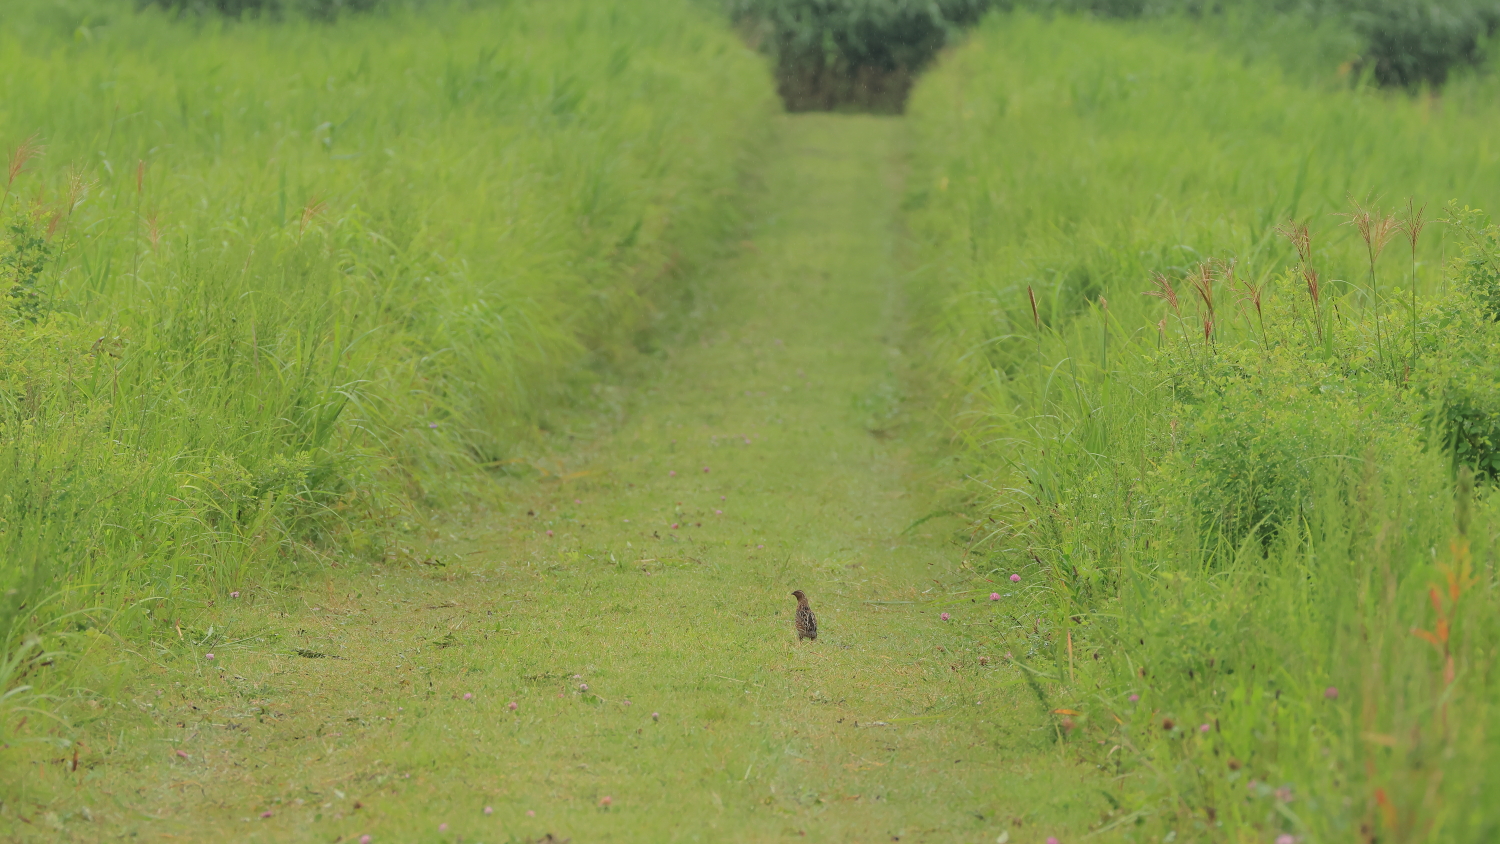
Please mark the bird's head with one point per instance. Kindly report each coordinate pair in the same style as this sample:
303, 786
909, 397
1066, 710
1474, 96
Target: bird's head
799, 596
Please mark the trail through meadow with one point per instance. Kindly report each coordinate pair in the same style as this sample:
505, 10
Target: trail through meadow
634, 605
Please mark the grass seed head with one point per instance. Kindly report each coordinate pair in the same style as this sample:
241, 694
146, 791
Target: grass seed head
1314, 290
1374, 228
1412, 222
1165, 292
24, 152
1202, 281
1300, 237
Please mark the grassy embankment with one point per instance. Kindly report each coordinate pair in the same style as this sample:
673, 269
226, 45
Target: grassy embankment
1244, 501
610, 657
276, 286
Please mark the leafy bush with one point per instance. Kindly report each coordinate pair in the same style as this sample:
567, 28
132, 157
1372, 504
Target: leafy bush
1415, 42
1403, 42
860, 53
324, 9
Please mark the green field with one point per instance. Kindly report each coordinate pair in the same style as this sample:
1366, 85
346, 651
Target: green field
416, 418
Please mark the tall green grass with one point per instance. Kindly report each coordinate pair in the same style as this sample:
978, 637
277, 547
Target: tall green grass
1249, 510
274, 286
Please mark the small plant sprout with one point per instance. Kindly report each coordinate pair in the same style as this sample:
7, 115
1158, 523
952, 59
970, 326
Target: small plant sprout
1375, 230
1252, 293
24, 152
1315, 294
1201, 280
1165, 292
1411, 226
1301, 239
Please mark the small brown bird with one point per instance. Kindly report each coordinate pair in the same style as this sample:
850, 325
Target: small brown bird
807, 623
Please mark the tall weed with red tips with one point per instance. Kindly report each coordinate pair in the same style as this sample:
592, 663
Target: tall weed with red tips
1255, 514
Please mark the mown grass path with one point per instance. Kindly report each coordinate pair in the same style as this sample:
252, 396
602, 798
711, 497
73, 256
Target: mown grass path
762, 456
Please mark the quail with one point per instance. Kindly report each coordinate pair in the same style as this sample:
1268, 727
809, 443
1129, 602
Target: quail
807, 623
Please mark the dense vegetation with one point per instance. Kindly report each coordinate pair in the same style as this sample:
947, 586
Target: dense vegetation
274, 285
859, 54
1222, 346
864, 54
1236, 394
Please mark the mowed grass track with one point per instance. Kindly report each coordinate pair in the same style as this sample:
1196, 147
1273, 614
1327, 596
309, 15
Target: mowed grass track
778, 407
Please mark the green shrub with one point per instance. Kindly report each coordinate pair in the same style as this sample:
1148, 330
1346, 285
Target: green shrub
1420, 42
324, 9
1402, 42
861, 53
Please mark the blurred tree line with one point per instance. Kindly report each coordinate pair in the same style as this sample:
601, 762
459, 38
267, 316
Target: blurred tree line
863, 54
